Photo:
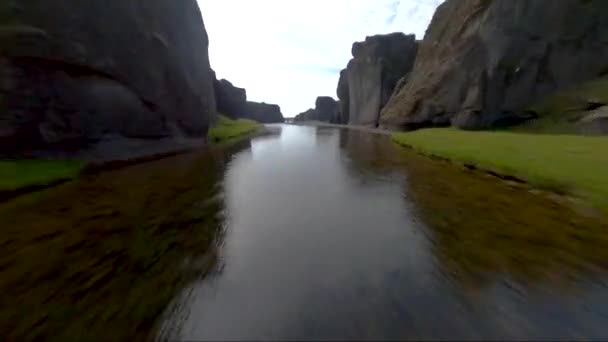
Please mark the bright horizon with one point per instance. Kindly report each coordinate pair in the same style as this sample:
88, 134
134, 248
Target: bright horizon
290, 52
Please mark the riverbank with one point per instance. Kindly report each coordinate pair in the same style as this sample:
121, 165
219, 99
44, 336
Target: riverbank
18, 177
578, 169
565, 164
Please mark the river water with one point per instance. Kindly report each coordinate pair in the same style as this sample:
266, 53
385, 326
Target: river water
334, 234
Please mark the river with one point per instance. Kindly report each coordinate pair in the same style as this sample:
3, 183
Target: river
335, 234
307, 233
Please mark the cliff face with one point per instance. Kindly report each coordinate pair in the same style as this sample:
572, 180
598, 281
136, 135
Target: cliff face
264, 112
74, 72
371, 76
326, 109
231, 100
484, 62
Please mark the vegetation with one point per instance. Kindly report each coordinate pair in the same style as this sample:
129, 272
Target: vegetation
574, 165
101, 258
15, 174
228, 129
483, 230
559, 114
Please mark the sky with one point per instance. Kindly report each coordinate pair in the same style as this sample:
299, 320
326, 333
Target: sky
289, 52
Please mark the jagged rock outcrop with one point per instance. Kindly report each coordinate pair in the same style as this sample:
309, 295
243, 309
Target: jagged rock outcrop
76, 71
484, 62
371, 76
231, 100
264, 112
326, 109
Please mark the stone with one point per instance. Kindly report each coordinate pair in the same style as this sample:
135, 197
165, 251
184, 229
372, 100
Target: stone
264, 112
484, 63
368, 82
595, 123
72, 72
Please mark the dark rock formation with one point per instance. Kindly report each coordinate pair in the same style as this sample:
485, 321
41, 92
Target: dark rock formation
231, 100
309, 115
326, 109
264, 112
371, 76
484, 62
76, 71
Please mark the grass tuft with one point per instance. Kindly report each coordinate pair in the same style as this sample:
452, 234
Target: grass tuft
228, 129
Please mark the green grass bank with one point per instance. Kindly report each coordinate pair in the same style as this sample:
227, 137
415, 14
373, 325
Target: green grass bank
567, 164
20, 174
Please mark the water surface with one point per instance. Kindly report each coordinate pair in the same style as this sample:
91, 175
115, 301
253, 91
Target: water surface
331, 234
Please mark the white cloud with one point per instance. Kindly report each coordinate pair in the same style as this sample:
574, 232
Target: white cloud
290, 51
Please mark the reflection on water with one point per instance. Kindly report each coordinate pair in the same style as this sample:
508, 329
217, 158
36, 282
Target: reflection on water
340, 235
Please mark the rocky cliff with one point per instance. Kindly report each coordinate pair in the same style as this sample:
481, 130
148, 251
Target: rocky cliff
371, 76
326, 109
484, 62
231, 101
264, 112
76, 71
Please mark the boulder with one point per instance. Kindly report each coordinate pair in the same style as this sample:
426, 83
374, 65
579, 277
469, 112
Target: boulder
595, 123
371, 76
72, 72
231, 100
264, 112
484, 63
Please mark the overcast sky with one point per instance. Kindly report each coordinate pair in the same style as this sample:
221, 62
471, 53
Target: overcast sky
291, 51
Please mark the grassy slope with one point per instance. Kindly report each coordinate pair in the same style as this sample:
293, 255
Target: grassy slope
15, 174
228, 129
576, 165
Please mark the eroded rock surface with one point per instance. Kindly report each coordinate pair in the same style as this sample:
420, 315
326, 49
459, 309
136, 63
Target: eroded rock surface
326, 109
73, 72
484, 62
264, 112
231, 100
368, 82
